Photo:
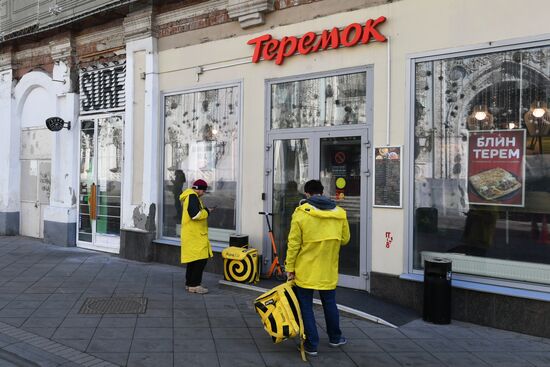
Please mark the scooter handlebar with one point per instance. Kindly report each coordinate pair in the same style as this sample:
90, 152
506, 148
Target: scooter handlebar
264, 213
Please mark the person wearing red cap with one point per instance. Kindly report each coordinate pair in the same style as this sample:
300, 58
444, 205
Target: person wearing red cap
195, 246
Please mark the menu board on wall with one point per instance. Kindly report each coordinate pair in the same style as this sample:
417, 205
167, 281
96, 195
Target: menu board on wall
496, 169
387, 176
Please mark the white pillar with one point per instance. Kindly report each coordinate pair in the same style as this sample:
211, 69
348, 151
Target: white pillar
60, 217
9, 163
150, 191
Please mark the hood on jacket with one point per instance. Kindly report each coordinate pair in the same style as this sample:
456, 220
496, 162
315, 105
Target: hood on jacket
326, 209
321, 202
186, 193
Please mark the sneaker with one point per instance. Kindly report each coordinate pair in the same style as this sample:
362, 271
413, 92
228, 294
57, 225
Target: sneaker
312, 353
198, 289
342, 341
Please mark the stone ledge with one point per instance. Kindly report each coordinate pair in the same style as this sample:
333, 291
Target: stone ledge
249, 13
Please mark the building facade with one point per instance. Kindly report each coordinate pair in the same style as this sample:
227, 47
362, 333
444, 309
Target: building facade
426, 120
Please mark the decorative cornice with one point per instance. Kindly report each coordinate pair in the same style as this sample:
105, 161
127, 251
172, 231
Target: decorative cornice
62, 49
190, 12
32, 52
139, 25
250, 13
112, 33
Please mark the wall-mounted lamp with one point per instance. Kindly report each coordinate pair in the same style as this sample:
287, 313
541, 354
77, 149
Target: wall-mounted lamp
57, 123
423, 140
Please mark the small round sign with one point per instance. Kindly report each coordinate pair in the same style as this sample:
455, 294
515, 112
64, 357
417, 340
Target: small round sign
340, 182
55, 123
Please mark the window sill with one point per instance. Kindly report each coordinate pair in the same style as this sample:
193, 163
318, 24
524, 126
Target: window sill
487, 288
217, 246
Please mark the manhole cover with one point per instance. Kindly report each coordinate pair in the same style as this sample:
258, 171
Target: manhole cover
96, 305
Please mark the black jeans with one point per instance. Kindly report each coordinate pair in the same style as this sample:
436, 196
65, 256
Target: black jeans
193, 275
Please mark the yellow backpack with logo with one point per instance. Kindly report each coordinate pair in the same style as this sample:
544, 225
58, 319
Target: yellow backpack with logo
240, 264
280, 313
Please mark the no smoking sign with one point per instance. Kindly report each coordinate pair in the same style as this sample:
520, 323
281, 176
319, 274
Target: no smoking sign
340, 157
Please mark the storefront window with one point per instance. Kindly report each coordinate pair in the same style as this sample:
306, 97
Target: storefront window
328, 101
482, 164
201, 141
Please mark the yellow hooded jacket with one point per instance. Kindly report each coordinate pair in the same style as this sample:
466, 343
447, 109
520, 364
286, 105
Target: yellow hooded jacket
194, 231
314, 244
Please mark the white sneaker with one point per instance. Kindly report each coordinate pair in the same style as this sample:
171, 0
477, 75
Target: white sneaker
198, 289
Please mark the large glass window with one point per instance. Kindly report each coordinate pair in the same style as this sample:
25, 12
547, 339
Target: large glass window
482, 163
201, 141
327, 101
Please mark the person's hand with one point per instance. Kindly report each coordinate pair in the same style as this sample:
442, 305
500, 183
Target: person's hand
290, 275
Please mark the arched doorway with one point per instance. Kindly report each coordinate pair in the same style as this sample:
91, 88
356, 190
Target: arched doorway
35, 151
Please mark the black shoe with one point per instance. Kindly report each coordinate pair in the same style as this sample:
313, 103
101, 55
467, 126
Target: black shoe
342, 341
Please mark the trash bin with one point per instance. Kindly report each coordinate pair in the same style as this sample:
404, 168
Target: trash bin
437, 290
238, 240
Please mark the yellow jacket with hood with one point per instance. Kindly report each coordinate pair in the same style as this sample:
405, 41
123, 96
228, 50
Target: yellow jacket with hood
194, 231
316, 234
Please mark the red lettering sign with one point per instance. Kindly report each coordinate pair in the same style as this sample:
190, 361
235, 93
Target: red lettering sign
389, 239
268, 48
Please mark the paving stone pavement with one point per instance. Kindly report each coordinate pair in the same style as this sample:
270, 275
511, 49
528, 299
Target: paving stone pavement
42, 288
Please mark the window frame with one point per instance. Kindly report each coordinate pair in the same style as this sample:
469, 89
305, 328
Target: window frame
475, 282
219, 238
369, 78
367, 129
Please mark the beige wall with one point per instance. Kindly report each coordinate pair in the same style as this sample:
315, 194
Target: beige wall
413, 27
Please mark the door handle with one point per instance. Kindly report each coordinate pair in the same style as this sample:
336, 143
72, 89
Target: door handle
36, 203
92, 202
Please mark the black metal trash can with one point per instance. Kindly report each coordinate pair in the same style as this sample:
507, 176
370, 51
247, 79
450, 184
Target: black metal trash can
437, 291
238, 240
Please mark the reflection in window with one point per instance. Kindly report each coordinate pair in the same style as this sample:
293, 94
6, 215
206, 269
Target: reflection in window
290, 173
109, 175
479, 222
201, 141
328, 101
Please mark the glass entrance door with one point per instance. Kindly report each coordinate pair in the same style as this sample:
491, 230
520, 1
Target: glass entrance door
339, 161
100, 183
290, 173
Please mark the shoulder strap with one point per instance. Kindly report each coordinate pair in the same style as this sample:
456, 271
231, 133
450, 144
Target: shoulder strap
292, 295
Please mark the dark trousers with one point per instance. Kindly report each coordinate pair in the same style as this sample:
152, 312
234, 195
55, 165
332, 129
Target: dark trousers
193, 275
332, 318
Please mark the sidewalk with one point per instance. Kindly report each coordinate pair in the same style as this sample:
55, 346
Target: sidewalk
43, 287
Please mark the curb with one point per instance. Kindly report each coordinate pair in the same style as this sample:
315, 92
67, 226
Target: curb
342, 308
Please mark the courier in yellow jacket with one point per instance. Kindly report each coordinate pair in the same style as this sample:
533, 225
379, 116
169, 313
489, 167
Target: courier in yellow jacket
317, 231
195, 246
